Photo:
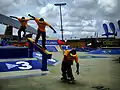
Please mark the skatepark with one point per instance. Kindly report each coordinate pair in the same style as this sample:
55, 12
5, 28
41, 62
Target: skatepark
93, 73
33, 68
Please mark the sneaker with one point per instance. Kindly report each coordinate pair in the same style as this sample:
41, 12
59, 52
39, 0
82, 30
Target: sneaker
71, 79
71, 82
63, 78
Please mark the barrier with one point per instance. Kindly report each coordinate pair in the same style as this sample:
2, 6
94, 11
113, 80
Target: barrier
66, 47
85, 49
45, 54
23, 52
13, 52
51, 48
20, 68
105, 51
18, 65
51, 61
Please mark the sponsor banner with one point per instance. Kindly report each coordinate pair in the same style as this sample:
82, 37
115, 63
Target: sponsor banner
19, 65
112, 27
49, 42
51, 61
105, 27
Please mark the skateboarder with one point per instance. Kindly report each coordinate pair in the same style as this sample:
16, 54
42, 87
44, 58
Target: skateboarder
41, 29
23, 21
69, 57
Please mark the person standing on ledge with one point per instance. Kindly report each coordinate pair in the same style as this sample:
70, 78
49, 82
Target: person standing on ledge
41, 29
23, 21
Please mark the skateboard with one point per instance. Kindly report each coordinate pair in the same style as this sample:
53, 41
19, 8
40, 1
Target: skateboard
43, 49
36, 44
68, 81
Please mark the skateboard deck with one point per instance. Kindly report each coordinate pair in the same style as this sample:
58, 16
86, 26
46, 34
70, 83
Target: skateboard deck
44, 50
68, 81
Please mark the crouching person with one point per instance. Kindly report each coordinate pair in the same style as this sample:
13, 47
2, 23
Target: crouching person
69, 57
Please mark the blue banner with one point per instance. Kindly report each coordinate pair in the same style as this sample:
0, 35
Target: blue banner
19, 65
51, 61
112, 27
119, 24
105, 28
49, 42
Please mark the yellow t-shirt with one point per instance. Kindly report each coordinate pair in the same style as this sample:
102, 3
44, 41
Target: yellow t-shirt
23, 22
69, 57
41, 25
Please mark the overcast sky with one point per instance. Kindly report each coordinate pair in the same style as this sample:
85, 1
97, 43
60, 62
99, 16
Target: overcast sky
81, 18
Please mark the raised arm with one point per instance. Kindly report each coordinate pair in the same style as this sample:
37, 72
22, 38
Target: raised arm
31, 16
13, 17
31, 19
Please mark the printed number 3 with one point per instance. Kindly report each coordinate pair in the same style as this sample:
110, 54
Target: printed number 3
25, 65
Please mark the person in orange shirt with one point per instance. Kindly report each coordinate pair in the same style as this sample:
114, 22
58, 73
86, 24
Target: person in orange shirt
41, 29
69, 57
23, 21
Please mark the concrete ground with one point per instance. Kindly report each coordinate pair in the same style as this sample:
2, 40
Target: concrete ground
93, 72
